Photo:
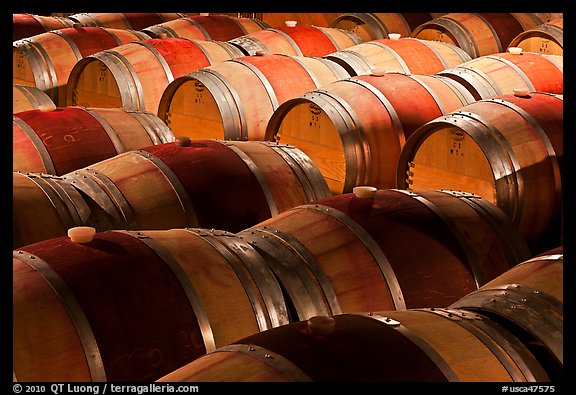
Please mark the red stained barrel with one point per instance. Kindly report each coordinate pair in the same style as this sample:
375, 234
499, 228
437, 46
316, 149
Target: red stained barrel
69, 138
129, 306
396, 250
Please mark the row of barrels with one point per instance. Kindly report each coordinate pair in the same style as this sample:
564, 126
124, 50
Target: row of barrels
478, 33
214, 27
179, 294
218, 26
46, 60
147, 75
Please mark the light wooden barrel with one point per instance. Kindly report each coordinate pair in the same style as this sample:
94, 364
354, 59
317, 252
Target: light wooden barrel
354, 129
124, 20
46, 60
508, 150
44, 206
394, 251
277, 19
299, 40
374, 26
207, 27
234, 100
208, 183
181, 27
405, 55
413, 346
69, 138
134, 306
28, 25
27, 97
478, 34
547, 38
528, 300
495, 75
134, 76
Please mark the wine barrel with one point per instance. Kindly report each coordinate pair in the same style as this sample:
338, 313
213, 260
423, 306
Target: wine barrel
26, 97
133, 306
547, 38
46, 60
207, 27
133, 76
528, 300
124, 20
208, 183
277, 19
69, 138
28, 25
374, 26
355, 254
296, 40
478, 34
181, 27
44, 206
234, 99
412, 346
508, 150
354, 129
499, 74
405, 55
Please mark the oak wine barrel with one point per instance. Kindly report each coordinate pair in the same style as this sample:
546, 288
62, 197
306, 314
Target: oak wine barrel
393, 251
405, 55
133, 306
207, 27
45, 206
28, 25
69, 138
495, 75
354, 129
528, 301
547, 38
277, 19
478, 34
124, 20
374, 26
507, 149
298, 40
27, 97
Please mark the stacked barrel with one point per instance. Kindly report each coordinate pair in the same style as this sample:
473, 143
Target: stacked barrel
212, 197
